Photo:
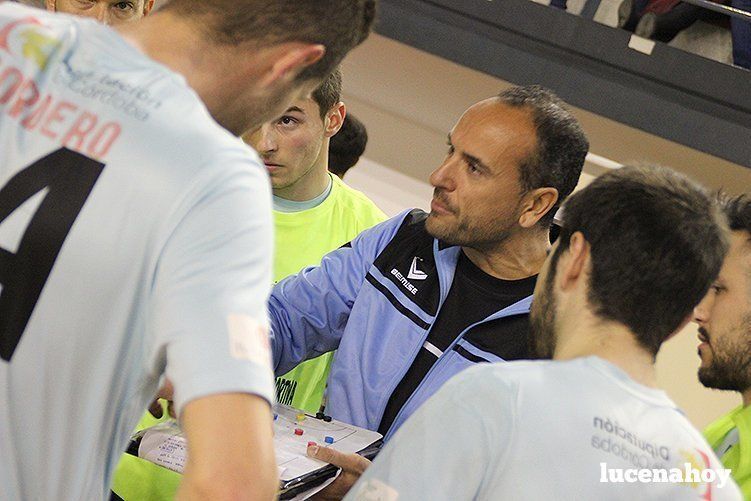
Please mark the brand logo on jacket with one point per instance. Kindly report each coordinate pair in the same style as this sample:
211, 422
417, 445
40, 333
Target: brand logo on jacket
414, 272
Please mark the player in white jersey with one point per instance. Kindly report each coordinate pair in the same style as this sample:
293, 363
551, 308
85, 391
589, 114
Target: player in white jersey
638, 249
135, 234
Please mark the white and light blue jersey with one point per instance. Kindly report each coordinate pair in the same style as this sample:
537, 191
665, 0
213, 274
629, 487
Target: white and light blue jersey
135, 241
569, 430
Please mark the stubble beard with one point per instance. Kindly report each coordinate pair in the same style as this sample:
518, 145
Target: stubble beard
542, 323
730, 368
463, 235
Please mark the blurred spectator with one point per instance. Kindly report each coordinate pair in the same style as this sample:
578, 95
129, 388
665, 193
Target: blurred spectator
662, 20
347, 146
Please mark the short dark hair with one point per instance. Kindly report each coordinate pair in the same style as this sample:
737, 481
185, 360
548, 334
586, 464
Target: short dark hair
657, 242
738, 212
347, 145
329, 92
339, 25
561, 143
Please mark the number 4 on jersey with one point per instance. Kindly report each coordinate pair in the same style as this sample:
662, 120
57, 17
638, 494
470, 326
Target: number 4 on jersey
69, 178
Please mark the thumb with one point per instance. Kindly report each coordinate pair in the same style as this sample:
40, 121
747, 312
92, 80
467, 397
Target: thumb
348, 462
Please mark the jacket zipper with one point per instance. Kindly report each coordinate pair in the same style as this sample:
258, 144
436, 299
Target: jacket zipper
489, 318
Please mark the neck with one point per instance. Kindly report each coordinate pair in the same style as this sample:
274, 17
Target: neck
746, 397
186, 51
314, 182
519, 256
610, 341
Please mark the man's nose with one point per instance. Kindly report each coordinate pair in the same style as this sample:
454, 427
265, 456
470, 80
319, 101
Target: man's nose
443, 176
101, 13
701, 310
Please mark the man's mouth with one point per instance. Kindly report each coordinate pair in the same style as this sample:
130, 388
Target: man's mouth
271, 166
440, 206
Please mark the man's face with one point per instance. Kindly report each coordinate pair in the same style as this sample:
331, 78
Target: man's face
542, 315
477, 189
110, 12
291, 145
724, 319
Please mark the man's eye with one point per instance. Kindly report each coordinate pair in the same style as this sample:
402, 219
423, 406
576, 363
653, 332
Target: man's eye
124, 6
450, 151
287, 121
718, 289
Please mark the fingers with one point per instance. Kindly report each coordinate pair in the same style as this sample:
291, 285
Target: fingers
353, 463
156, 409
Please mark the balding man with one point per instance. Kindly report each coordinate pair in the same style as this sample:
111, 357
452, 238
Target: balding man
110, 12
420, 297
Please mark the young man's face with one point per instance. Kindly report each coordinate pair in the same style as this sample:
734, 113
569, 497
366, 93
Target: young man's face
724, 319
110, 12
291, 146
476, 201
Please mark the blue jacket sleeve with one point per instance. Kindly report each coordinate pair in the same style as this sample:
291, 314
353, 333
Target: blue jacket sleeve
309, 311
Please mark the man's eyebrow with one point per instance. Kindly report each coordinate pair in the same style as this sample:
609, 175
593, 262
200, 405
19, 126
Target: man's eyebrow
294, 108
470, 158
474, 160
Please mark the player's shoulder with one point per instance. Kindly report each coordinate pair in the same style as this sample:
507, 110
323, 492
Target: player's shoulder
527, 374
357, 201
347, 192
200, 141
495, 378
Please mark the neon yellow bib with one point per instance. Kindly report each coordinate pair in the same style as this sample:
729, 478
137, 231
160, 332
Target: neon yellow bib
738, 457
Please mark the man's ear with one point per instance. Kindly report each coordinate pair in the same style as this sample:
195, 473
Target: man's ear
536, 204
288, 60
50, 5
572, 266
335, 119
147, 6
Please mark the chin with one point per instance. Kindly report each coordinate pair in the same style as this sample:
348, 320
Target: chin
432, 226
438, 230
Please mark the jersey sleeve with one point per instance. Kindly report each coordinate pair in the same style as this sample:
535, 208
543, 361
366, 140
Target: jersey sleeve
309, 310
449, 448
209, 312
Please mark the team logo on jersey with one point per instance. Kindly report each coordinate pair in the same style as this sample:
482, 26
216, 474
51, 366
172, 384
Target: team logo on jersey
414, 272
701, 465
36, 45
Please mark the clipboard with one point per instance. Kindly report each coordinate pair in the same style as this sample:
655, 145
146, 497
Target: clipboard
166, 446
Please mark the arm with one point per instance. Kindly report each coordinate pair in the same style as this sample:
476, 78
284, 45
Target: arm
309, 311
208, 323
246, 469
